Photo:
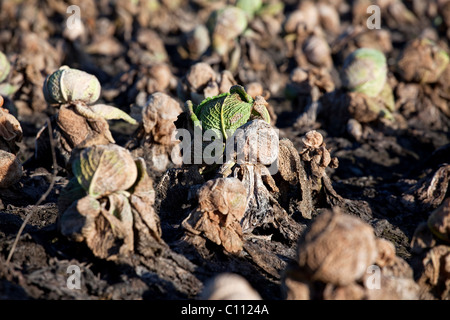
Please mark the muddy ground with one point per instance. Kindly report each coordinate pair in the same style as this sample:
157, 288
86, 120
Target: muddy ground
378, 173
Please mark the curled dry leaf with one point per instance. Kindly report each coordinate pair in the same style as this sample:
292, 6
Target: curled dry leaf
437, 271
222, 204
199, 75
338, 248
109, 208
71, 222
422, 61
148, 49
102, 112
316, 157
313, 139
107, 233
146, 221
160, 78
362, 108
303, 80
329, 17
76, 131
158, 117
429, 192
196, 42
291, 170
318, 51
148, 80
255, 89
366, 109
303, 181
439, 221
397, 277
431, 254
443, 90
253, 146
10, 134
10, 131
10, 169
229, 286
202, 82
379, 39
35, 58
154, 140
386, 253
107, 112
305, 18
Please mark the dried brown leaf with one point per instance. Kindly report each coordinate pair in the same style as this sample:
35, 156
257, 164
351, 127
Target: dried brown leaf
338, 248
10, 130
222, 204
10, 169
